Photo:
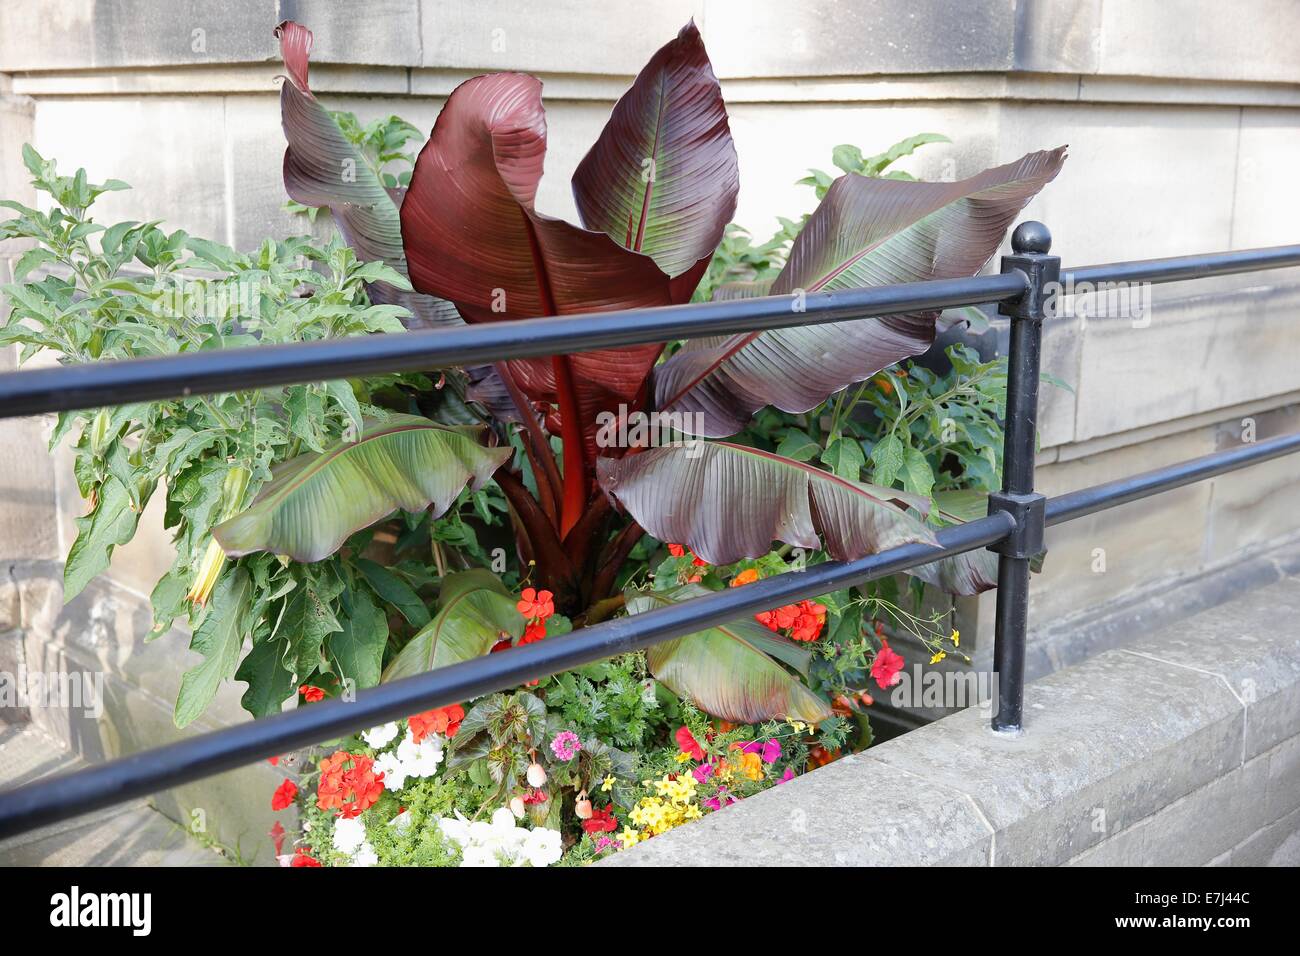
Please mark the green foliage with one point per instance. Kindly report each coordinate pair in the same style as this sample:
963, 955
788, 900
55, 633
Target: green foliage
616, 700
131, 290
740, 259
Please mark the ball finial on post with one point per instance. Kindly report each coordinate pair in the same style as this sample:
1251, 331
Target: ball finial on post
1031, 238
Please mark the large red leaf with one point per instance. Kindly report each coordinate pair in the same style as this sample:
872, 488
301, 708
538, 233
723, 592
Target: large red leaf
473, 235
321, 168
662, 178
729, 502
866, 232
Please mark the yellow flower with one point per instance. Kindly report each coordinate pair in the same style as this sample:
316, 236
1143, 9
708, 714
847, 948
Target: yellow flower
629, 837
938, 657
956, 637
799, 726
214, 559
692, 812
682, 757
607, 784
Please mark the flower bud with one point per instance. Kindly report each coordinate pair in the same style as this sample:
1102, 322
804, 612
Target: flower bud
536, 775
582, 809
517, 807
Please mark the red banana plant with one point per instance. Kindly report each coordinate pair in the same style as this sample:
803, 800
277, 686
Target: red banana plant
654, 194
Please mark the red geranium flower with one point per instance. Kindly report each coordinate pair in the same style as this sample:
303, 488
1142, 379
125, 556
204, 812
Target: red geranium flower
680, 551
282, 799
601, 821
533, 632
808, 624
311, 694
277, 837
536, 605
887, 665
302, 858
687, 743
348, 784
440, 720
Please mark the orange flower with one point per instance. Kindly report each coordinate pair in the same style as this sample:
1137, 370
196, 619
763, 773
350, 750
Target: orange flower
748, 765
747, 576
819, 756
311, 694
348, 784
536, 605
440, 720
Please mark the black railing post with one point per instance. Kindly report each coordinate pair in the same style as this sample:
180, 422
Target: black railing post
1030, 245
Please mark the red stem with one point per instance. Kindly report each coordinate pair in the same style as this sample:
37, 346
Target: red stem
575, 469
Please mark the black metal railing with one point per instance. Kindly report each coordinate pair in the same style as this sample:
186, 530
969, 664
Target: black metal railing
1013, 528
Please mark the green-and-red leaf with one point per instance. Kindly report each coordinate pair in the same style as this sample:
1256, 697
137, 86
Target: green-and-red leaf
662, 178
866, 232
729, 502
314, 502
726, 670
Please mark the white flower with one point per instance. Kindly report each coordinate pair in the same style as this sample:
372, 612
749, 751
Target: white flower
349, 834
422, 759
541, 847
479, 856
393, 769
402, 822
381, 736
455, 829
365, 856
410, 760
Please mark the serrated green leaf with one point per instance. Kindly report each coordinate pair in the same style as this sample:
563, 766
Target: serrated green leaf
887, 459
218, 638
358, 648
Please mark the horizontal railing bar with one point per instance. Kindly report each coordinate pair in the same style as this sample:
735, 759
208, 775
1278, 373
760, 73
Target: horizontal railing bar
1178, 268
97, 384
57, 798
1077, 504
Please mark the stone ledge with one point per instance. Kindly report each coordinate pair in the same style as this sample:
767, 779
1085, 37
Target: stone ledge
1125, 755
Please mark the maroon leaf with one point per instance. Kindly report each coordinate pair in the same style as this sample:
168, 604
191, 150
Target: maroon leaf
473, 235
729, 502
321, 168
662, 178
866, 232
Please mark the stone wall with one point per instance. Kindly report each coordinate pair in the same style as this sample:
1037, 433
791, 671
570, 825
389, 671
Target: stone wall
1184, 131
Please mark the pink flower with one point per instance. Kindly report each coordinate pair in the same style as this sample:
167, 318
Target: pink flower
702, 772
887, 666
604, 843
566, 745
786, 777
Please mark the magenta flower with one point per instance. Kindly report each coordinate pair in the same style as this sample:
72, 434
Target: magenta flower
702, 772
769, 751
787, 776
723, 799
566, 745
